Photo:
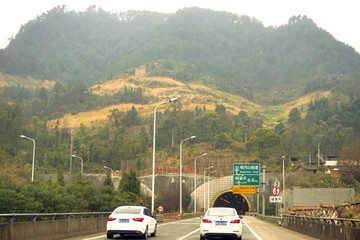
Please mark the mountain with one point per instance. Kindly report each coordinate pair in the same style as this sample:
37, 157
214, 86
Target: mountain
236, 54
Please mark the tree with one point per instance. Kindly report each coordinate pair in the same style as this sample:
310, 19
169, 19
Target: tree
294, 116
108, 181
131, 118
280, 128
130, 187
264, 142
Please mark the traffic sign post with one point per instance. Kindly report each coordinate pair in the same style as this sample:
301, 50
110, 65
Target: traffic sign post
246, 174
275, 191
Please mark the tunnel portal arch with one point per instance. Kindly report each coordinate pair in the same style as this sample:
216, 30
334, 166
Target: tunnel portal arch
228, 199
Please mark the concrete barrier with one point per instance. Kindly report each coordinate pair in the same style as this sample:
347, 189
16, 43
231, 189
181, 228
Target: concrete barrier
322, 230
51, 230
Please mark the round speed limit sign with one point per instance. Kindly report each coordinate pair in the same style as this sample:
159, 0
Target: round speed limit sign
275, 191
160, 208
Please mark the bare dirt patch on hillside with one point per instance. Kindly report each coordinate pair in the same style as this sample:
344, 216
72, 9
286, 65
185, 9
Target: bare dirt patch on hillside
158, 89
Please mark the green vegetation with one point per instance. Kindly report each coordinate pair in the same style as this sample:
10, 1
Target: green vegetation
80, 195
234, 53
67, 98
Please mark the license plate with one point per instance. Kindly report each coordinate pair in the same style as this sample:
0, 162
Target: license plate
220, 223
123, 220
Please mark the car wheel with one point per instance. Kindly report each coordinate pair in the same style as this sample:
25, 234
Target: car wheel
239, 238
110, 236
201, 237
145, 234
154, 233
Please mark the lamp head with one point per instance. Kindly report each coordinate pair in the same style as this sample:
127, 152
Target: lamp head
192, 137
73, 155
105, 167
173, 99
22, 136
204, 154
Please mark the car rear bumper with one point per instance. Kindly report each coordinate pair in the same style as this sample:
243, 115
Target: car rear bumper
222, 235
126, 232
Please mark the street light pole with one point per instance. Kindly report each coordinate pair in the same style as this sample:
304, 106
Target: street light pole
112, 172
192, 137
153, 165
33, 159
209, 186
82, 163
202, 155
284, 204
71, 148
204, 185
263, 191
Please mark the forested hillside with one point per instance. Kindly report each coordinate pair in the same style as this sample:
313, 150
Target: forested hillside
248, 92
234, 53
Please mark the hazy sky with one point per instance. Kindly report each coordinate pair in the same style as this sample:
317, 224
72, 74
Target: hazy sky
340, 18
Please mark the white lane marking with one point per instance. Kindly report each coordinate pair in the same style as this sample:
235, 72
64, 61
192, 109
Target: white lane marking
163, 224
177, 222
190, 233
252, 231
94, 237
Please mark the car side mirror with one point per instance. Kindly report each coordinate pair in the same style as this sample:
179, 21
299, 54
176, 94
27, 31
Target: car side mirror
154, 215
201, 217
241, 217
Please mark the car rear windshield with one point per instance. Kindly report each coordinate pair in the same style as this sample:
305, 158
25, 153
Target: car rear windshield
221, 212
127, 211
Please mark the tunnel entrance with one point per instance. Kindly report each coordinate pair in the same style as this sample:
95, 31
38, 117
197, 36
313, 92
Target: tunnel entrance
228, 199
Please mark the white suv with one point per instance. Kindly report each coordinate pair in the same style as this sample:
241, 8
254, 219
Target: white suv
131, 221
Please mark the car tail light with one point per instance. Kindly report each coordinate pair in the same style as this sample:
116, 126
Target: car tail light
235, 221
204, 220
138, 219
111, 219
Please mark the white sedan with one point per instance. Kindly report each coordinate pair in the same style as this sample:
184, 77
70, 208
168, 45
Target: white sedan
221, 222
131, 221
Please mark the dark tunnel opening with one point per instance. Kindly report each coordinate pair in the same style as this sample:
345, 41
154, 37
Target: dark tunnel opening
228, 199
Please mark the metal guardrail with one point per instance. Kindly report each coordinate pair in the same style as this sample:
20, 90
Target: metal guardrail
334, 221
51, 216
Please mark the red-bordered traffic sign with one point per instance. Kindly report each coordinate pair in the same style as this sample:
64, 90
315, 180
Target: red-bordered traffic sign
275, 191
160, 208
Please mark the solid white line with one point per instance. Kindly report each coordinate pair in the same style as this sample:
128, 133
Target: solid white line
185, 236
163, 224
94, 237
252, 231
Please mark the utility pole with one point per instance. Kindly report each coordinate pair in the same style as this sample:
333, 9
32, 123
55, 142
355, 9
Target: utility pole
263, 192
318, 154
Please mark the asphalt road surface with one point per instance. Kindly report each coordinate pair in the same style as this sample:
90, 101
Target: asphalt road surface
253, 229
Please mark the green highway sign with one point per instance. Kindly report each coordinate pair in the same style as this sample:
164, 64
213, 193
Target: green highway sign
246, 174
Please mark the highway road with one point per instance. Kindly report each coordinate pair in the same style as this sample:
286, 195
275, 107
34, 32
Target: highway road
188, 229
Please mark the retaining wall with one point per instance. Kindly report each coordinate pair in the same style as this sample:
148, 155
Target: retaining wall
51, 230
